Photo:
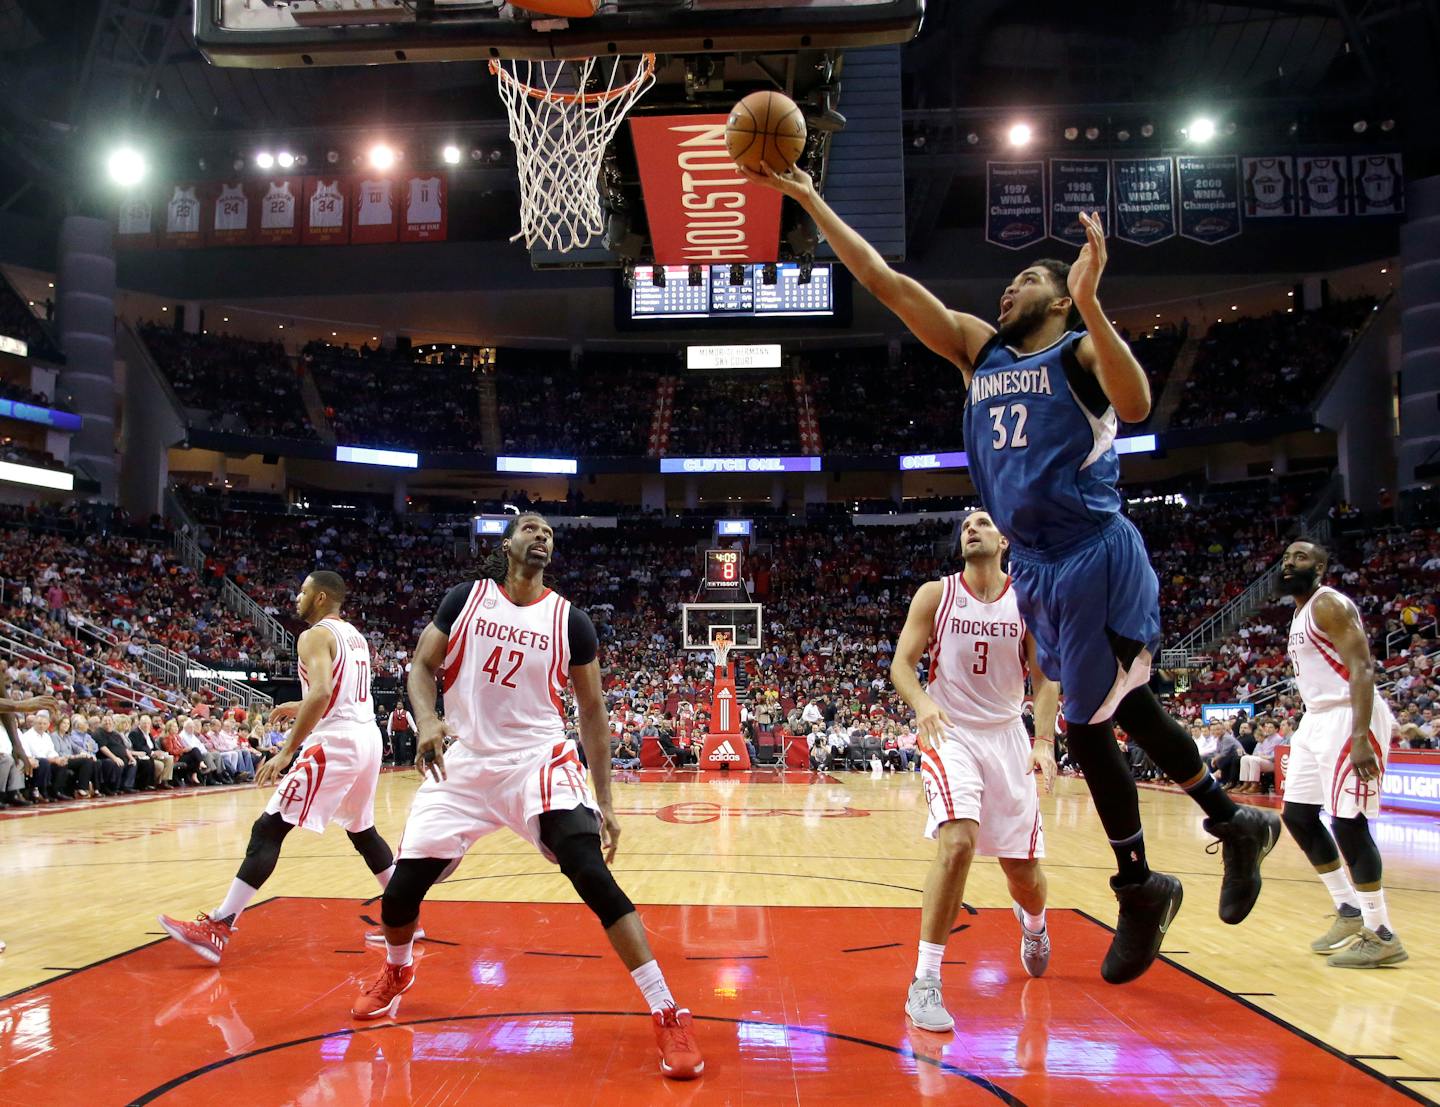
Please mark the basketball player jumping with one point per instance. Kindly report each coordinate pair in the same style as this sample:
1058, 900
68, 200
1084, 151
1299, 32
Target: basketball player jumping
975, 756
1337, 759
508, 646
1041, 414
334, 778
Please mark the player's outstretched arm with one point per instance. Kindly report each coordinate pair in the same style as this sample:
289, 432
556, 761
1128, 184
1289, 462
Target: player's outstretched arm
316, 649
422, 687
1339, 622
1102, 350
954, 335
930, 718
1047, 702
595, 737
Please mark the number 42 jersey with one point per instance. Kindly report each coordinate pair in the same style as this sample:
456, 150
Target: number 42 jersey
1040, 436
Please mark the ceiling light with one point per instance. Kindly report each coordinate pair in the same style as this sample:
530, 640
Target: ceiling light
1201, 129
284, 159
1092, 133
1071, 133
126, 166
381, 156
1020, 134
451, 154
265, 160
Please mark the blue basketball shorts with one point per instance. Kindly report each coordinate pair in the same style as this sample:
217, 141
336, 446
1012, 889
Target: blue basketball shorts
1094, 611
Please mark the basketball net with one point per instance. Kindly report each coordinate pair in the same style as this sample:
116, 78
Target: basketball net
563, 115
722, 654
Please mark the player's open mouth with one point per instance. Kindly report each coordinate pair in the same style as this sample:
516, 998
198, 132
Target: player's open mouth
1005, 305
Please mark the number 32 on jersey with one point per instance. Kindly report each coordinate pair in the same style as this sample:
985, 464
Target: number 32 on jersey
1009, 426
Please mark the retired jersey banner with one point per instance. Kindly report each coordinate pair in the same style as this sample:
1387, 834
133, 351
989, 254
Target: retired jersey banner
1322, 187
233, 213
326, 211
1269, 187
424, 216
279, 223
184, 209
1014, 203
700, 209
135, 220
1078, 185
375, 217
1209, 197
1378, 184
1144, 199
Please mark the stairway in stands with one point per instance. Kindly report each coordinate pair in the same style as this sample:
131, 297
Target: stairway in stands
806, 417
664, 412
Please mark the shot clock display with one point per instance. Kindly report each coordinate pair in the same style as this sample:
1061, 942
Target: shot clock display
722, 571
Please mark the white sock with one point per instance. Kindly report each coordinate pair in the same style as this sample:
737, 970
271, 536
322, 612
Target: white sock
1034, 923
1372, 911
236, 900
399, 954
383, 877
651, 982
1337, 883
928, 963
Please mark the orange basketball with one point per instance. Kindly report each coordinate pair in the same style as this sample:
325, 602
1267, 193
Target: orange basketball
765, 128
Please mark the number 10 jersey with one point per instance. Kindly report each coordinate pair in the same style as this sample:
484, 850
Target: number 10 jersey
349, 706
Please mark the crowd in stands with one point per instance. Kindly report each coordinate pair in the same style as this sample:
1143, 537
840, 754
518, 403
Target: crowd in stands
11, 390
603, 405
19, 320
867, 405
11, 450
242, 386
722, 415
1268, 365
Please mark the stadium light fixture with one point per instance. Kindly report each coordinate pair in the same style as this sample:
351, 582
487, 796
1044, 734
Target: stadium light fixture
1092, 133
381, 156
284, 159
451, 154
126, 166
265, 160
1201, 129
1071, 133
1020, 134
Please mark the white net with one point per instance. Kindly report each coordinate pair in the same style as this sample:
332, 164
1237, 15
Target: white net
562, 116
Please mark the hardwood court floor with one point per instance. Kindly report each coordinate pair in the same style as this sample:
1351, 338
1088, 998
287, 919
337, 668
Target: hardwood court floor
788, 924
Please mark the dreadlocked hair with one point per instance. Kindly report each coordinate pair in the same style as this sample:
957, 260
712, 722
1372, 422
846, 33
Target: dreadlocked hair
496, 564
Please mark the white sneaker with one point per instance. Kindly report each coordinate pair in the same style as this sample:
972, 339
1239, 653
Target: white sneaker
1034, 948
376, 937
925, 1006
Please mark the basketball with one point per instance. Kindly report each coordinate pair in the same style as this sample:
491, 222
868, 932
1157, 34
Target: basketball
765, 128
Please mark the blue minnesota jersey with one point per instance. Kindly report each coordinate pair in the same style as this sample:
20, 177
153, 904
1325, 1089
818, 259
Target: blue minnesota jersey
1041, 457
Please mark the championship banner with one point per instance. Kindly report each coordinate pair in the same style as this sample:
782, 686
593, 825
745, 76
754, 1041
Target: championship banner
279, 223
233, 215
424, 216
1379, 184
1322, 187
135, 221
374, 217
182, 213
1144, 200
1209, 197
326, 211
1269, 187
699, 207
1078, 185
1014, 203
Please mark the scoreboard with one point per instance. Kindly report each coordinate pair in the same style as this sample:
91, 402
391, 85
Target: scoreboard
723, 571
715, 297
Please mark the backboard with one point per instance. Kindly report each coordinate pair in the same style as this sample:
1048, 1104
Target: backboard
701, 623
276, 34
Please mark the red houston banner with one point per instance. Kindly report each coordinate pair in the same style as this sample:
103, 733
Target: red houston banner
700, 209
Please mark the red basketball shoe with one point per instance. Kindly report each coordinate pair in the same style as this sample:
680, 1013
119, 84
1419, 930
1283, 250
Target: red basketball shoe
675, 1035
381, 998
206, 936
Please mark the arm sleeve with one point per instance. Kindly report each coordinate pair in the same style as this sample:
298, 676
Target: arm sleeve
452, 605
584, 645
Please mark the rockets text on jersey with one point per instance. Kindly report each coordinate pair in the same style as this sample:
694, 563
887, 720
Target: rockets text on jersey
374, 209
350, 705
277, 210
327, 206
506, 665
977, 656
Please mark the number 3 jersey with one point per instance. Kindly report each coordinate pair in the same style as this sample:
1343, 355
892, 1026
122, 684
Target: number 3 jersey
349, 708
977, 656
506, 665
1040, 435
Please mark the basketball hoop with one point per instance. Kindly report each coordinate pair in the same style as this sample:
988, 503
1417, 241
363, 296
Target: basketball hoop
563, 114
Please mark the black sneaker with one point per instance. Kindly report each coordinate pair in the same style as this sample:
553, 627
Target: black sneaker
1145, 913
1245, 839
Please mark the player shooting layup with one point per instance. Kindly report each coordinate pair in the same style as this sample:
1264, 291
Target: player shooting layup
975, 756
508, 646
1040, 421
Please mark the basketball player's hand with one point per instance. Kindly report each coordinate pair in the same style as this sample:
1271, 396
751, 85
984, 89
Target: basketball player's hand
283, 713
930, 724
794, 182
609, 832
1042, 763
41, 703
430, 753
1084, 279
268, 773
1362, 756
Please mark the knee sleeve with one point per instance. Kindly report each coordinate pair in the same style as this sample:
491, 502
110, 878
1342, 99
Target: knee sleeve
1160, 736
373, 848
1357, 846
574, 839
413, 877
266, 835
1303, 822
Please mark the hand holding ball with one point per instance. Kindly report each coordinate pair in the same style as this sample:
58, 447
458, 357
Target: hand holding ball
765, 128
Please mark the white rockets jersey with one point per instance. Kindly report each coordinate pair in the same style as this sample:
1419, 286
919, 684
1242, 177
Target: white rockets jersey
349, 707
424, 201
183, 212
327, 206
232, 209
977, 656
505, 667
277, 210
1267, 179
1320, 674
374, 209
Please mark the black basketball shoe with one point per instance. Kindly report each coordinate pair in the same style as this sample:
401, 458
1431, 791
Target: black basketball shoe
1145, 913
1245, 839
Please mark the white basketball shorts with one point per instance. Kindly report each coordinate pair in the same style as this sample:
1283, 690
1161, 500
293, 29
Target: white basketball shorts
479, 795
333, 780
984, 775
1319, 769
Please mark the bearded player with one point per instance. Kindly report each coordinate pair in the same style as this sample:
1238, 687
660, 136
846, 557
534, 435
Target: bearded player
508, 646
333, 779
1337, 759
975, 755
1046, 391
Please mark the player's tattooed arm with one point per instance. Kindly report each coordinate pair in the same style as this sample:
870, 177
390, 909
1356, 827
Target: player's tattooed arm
1102, 351
1339, 622
930, 717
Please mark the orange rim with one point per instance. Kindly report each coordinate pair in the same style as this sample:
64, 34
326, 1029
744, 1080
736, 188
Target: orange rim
647, 67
